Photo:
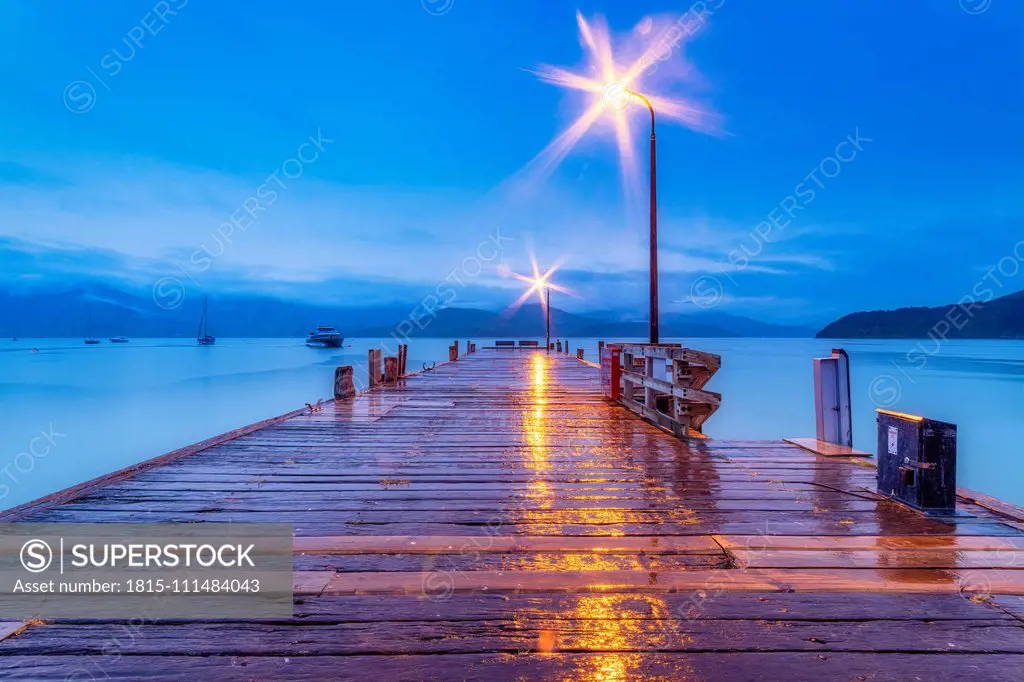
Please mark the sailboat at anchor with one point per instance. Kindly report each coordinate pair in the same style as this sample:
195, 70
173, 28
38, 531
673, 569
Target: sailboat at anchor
203, 338
89, 340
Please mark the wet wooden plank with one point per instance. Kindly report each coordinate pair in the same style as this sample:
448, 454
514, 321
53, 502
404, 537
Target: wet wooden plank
825, 449
896, 581
503, 543
536, 636
882, 559
769, 667
471, 560
837, 543
712, 604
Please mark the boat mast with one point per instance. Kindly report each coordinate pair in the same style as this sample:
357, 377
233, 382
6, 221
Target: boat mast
202, 321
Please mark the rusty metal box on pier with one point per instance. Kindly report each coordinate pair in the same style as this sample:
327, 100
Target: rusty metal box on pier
917, 461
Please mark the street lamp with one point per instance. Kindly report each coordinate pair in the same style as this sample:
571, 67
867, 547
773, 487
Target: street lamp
542, 284
654, 222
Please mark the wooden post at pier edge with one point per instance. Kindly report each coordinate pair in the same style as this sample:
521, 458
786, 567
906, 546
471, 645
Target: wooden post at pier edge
558, 346
390, 369
344, 387
600, 350
403, 358
456, 347
375, 371
579, 353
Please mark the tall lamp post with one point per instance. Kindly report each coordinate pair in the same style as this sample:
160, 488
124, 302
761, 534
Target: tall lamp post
654, 222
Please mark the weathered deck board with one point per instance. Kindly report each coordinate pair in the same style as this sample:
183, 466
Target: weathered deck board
495, 518
768, 667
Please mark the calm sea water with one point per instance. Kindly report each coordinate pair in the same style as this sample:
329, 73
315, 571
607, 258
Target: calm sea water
70, 412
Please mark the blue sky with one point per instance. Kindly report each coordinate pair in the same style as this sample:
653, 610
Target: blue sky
121, 164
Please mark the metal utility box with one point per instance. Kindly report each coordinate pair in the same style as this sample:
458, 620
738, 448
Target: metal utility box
917, 461
832, 413
610, 375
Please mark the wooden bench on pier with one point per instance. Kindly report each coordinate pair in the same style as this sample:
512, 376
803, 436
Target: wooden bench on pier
496, 518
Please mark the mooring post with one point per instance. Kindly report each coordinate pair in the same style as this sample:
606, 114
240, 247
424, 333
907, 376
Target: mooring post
600, 349
456, 347
403, 358
375, 371
390, 369
344, 387
579, 353
558, 346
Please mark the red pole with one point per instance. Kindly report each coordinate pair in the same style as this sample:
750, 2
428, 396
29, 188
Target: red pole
654, 234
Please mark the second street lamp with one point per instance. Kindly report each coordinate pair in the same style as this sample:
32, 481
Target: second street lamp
654, 223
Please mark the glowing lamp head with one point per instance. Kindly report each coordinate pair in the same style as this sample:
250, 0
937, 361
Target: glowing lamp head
615, 96
539, 283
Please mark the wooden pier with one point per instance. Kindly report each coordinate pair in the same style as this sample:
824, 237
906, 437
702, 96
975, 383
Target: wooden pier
495, 518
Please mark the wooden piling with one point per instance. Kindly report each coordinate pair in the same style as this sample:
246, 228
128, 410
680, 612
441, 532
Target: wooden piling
344, 387
403, 358
579, 353
375, 369
456, 347
390, 369
558, 346
600, 349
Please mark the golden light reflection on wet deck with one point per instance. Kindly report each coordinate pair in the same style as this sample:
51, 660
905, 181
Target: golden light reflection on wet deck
535, 431
616, 624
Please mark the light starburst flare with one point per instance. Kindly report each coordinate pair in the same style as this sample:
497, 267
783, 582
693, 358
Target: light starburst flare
539, 283
612, 84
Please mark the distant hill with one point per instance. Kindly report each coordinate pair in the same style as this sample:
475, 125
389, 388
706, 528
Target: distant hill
1000, 318
114, 312
731, 325
528, 320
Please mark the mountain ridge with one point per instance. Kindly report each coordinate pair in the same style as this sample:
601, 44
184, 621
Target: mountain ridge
63, 313
998, 318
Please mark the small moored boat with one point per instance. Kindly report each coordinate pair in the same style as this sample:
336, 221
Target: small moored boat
118, 339
325, 337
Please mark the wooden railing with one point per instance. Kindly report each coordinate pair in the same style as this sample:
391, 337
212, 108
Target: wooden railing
665, 384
